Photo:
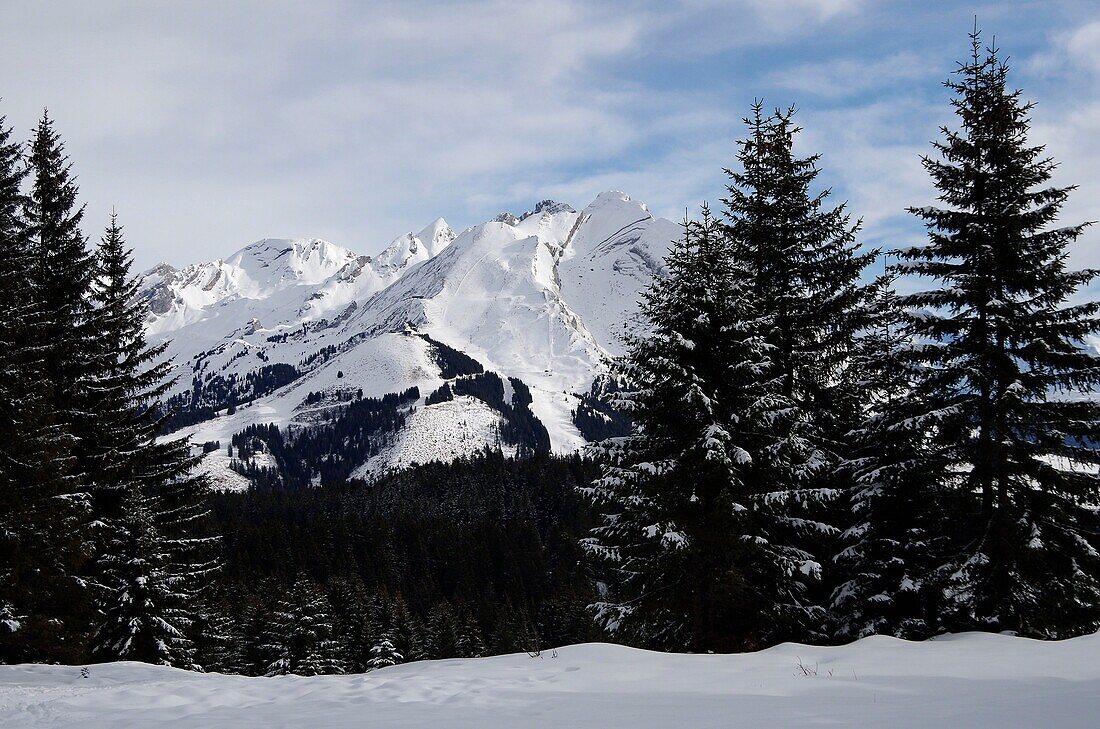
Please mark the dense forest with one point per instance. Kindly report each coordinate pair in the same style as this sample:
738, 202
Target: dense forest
791, 449
476, 557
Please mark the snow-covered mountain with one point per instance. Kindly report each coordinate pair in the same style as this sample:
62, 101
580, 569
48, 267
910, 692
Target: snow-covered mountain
296, 326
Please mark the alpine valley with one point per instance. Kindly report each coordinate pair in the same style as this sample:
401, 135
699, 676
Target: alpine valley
299, 361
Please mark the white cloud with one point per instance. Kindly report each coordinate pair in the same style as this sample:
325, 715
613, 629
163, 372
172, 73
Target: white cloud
850, 76
273, 119
1083, 46
1072, 137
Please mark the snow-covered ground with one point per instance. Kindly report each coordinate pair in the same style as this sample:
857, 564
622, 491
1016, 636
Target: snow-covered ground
972, 680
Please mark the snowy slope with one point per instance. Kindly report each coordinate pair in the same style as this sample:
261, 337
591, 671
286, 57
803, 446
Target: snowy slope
979, 681
443, 431
614, 255
541, 297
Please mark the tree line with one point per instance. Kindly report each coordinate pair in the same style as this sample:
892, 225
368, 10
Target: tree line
816, 458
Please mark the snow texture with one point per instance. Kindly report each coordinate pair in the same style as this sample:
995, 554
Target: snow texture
443, 431
975, 680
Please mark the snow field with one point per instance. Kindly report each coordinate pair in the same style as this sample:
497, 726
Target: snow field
974, 680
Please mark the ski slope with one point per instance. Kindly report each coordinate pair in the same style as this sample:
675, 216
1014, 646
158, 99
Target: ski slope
973, 680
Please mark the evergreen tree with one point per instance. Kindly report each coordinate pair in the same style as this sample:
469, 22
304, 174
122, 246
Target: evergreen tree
17, 358
1008, 370
253, 652
470, 640
383, 653
802, 267
150, 562
220, 644
442, 632
801, 264
389, 629
144, 620
61, 271
16, 383
44, 607
301, 638
406, 631
886, 554
357, 619
678, 540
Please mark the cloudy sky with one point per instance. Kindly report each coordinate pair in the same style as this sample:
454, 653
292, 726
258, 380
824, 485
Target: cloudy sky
213, 124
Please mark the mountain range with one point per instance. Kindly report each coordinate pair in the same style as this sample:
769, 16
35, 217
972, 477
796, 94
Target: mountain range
474, 336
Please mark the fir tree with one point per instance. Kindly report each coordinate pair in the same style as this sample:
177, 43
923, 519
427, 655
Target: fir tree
62, 270
220, 643
406, 631
800, 263
1008, 371
44, 607
678, 540
383, 653
470, 640
801, 260
253, 651
883, 566
301, 637
358, 620
144, 619
442, 632
16, 386
151, 563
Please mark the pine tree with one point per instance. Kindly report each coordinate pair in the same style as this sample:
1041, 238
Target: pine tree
1008, 371
358, 620
678, 541
253, 652
800, 262
150, 563
406, 631
301, 637
470, 641
144, 619
44, 608
801, 259
221, 640
383, 653
385, 632
16, 355
887, 553
16, 383
61, 272
442, 632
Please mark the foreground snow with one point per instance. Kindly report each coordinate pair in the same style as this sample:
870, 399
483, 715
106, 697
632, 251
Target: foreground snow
971, 680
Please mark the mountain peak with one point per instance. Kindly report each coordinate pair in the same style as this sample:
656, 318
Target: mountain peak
409, 248
615, 198
550, 207
437, 235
